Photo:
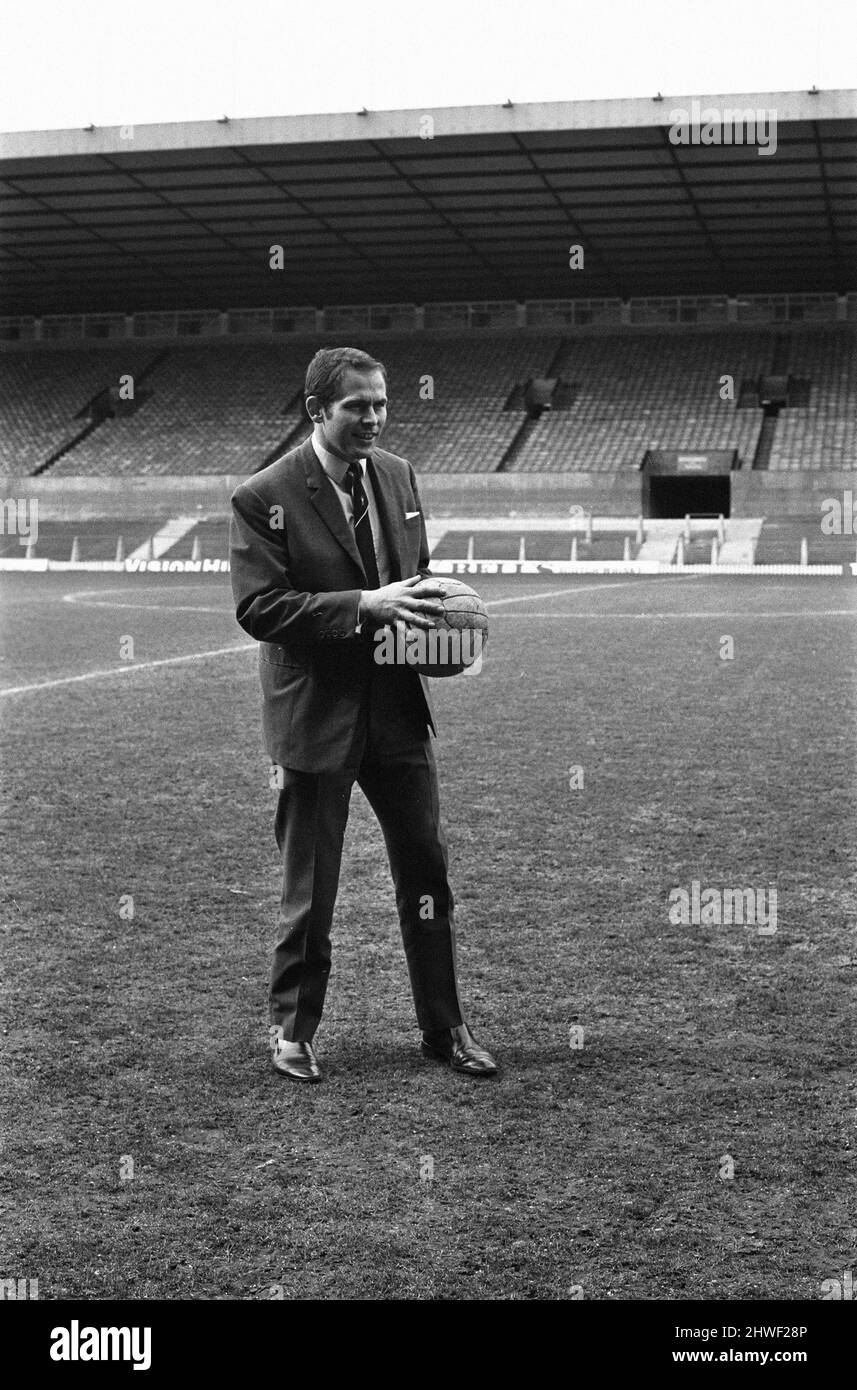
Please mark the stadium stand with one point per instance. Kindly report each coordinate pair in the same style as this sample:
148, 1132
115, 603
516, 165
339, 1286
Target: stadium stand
637, 393
42, 395
458, 404
461, 427
780, 541
822, 434
540, 545
211, 411
96, 540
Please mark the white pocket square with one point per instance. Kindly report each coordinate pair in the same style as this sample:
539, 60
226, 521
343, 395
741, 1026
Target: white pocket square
409, 516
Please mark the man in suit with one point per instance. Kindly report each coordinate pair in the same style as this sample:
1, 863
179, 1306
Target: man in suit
327, 545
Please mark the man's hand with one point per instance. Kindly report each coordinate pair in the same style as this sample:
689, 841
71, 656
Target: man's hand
397, 603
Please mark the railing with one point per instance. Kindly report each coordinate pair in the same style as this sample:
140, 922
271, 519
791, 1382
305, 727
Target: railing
26, 330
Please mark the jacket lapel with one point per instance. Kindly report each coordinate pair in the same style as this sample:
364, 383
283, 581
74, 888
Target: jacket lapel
389, 511
323, 497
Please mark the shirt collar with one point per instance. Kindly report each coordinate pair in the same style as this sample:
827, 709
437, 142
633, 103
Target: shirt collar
335, 467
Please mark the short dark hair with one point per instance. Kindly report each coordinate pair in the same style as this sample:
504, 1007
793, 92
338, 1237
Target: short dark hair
329, 365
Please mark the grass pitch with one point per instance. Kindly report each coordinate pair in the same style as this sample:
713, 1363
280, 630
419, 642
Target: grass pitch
150, 1151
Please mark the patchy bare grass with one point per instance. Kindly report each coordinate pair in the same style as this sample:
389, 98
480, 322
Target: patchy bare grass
143, 1040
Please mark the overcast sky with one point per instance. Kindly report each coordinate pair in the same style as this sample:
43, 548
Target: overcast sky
72, 62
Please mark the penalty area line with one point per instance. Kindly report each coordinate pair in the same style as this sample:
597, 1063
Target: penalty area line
127, 670
568, 592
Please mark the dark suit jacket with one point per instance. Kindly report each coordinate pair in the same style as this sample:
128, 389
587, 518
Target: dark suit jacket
296, 579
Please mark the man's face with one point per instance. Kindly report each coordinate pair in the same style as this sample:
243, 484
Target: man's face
352, 424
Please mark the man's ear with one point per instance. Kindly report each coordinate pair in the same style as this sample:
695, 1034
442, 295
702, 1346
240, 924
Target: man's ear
313, 407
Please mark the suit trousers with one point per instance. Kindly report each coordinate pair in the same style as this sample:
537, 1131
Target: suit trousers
399, 779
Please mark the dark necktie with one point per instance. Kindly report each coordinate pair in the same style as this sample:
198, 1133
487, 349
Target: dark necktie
363, 526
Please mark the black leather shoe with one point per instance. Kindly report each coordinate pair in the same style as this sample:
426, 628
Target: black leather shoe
295, 1060
459, 1048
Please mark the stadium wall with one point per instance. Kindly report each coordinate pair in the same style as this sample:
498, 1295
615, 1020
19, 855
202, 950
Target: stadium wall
477, 494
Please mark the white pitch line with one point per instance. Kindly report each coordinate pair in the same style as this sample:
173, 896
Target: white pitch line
708, 613
203, 656
85, 602
84, 599
159, 607
565, 593
126, 670
493, 603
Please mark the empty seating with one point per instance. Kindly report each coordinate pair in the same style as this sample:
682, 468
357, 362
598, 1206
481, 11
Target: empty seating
42, 392
211, 410
635, 393
225, 408
822, 434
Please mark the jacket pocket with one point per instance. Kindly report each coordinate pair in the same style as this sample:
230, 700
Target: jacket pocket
273, 655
